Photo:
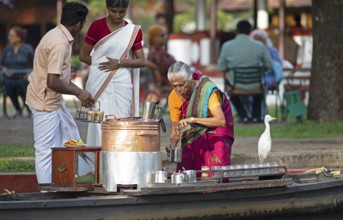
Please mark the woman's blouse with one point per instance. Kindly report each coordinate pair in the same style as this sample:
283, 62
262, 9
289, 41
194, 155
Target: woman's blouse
175, 105
22, 60
99, 30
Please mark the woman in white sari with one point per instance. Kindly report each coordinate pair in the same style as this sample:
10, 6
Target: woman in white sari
114, 51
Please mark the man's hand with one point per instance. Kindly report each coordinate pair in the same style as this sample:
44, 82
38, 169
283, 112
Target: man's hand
110, 65
169, 148
86, 99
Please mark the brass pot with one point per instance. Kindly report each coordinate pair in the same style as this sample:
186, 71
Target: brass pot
131, 135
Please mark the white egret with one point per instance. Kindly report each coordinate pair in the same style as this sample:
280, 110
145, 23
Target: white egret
265, 141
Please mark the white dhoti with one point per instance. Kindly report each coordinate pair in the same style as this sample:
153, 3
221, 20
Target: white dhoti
51, 129
117, 98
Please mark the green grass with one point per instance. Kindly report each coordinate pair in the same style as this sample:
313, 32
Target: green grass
8, 163
290, 128
8, 166
307, 129
11, 150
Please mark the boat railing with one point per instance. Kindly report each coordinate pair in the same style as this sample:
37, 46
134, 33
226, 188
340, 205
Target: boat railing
246, 172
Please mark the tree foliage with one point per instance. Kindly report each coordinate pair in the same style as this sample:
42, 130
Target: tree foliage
143, 13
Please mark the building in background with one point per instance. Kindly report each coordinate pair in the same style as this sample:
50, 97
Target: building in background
37, 16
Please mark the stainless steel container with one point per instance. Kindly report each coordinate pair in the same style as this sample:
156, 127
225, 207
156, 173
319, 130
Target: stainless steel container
150, 178
149, 110
130, 152
175, 155
190, 175
127, 168
161, 176
178, 178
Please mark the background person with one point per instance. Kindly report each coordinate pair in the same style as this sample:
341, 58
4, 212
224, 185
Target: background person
159, 60
274, 75
16, 62
242, 51
197, 101
53, 124
104, 49
161, 19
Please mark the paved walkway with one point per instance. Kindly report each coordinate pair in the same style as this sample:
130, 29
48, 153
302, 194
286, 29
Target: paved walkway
289, 152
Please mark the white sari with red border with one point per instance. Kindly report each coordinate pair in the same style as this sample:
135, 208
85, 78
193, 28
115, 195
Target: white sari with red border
121, 96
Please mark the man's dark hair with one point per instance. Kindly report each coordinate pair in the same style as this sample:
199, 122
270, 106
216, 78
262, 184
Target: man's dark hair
244, 27
160, 15
20, 32
117, 3
72, 13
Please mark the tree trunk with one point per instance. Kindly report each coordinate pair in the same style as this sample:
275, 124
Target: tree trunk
326, 94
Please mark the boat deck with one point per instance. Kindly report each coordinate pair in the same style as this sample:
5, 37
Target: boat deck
293, 195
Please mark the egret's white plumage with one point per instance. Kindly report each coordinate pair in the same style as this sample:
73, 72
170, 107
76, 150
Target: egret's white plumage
265, 141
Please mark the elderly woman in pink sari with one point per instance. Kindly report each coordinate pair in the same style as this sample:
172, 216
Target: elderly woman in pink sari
197, 101
113, 49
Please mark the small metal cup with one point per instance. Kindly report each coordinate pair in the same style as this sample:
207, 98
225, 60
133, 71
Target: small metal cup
239, 171
190, 175
275, 170
246, 171
225, 169
175, 155
149, 110
160, 176
151, 177
177, 178
216, 174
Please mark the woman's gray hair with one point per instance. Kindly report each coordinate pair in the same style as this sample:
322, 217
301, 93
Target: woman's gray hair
179, 69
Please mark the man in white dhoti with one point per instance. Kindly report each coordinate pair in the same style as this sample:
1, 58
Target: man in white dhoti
114, 51
52, 122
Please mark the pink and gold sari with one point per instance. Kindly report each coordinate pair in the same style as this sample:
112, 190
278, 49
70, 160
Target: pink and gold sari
203, 146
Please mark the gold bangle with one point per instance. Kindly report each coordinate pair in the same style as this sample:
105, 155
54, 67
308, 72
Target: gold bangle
193, 120
119, 62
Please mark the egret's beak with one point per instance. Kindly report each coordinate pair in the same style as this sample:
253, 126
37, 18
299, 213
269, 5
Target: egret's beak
273, 119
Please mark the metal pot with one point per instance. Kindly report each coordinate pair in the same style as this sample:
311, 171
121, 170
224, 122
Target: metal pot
175, 155
178, 178
190, 175
130, 135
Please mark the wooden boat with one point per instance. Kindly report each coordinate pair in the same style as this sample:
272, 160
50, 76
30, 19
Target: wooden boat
290, 196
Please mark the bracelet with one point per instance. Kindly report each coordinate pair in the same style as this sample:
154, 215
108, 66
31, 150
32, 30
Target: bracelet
119, 62
192, 120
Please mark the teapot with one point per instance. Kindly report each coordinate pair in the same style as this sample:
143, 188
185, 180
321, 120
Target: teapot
178, 178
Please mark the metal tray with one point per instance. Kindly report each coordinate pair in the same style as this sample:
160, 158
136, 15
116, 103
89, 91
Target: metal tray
169, 184
82, 115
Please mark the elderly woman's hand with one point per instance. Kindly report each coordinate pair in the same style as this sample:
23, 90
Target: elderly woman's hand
185, 122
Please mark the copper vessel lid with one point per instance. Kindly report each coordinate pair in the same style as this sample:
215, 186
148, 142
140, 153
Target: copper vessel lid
129, 121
